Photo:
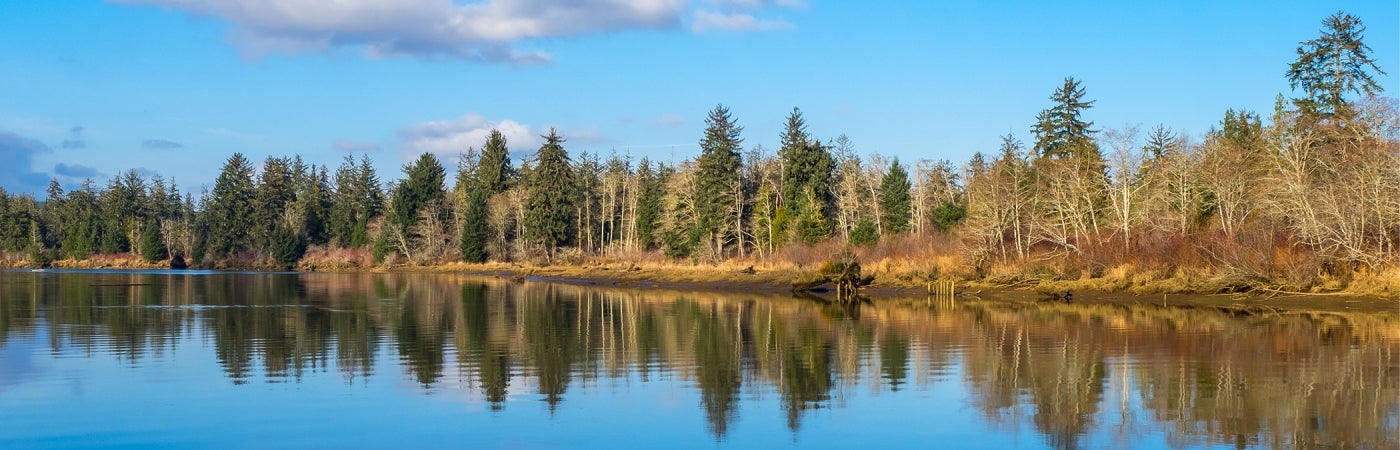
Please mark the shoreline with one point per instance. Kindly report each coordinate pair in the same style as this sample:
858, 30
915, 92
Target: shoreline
730, 278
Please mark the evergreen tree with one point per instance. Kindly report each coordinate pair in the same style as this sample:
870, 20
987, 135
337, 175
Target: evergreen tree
864, 233
285, 246
493, 172
1160, 142
345, 204
549, 202
229, 208
1060, 131
807, 174
152, 243
417, 200
423, 185
474, 229
894, 199
717, 177
1333, 65
314, 200
651, 182
274, 192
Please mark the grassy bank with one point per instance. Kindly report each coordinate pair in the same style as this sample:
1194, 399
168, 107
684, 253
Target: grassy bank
902, 265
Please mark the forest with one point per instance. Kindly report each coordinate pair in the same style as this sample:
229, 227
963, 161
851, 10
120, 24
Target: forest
1305, 197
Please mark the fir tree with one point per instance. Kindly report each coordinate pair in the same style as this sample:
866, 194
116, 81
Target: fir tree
717, 176
274, 192
229, 208
651, 183
152, 243
894, 199
474, 230
549, 202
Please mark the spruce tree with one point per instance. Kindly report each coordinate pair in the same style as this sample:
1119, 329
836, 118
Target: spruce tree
549, 202
1333, 65
474, 230
230, 207
1060, 131
152, 243
651, 182
807, 176
493, 172
717, 176
894, 199
423, 185
274, 192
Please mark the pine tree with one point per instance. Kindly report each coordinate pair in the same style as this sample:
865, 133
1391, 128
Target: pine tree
229, 208
717, 177
894, 199
1333, 65
549, 203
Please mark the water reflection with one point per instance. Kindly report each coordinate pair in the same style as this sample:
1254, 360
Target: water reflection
1079, 376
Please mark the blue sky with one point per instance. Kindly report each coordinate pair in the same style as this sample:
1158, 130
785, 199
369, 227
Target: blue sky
91, 89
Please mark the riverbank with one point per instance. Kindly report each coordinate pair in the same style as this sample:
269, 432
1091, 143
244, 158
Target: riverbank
892, 279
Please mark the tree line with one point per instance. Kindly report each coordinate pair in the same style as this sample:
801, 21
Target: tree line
1317, 179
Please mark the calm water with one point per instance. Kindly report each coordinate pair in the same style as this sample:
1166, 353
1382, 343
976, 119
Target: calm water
426, 360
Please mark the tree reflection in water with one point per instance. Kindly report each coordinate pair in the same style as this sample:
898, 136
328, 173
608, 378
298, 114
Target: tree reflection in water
1201, 376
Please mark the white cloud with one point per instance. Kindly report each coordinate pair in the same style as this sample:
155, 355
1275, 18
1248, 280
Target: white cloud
450, 138
756, 4
481, 31
706, 21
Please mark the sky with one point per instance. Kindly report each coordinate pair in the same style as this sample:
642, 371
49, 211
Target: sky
91, 89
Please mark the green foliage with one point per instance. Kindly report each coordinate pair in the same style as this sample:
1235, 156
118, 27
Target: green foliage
864, 233
651, 183
1333, 65
152, 243
812, 226
1059, 131
679, 243
423, 185
356, 200
947, 215
1161, 141
807, 167
493, 172
717, 172
285, 246
230, 207
474, 232
313, 200
895, 199
549, 202
274, 192
383, 245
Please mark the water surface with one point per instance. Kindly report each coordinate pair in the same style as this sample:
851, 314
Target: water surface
429, 360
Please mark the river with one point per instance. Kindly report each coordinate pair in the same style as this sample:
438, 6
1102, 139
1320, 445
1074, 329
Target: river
413, 360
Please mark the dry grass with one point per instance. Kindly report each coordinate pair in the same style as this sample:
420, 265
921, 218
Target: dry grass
336, 259
110, 261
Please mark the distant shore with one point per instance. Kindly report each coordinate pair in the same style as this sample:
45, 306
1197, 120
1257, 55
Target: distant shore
1115, 287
